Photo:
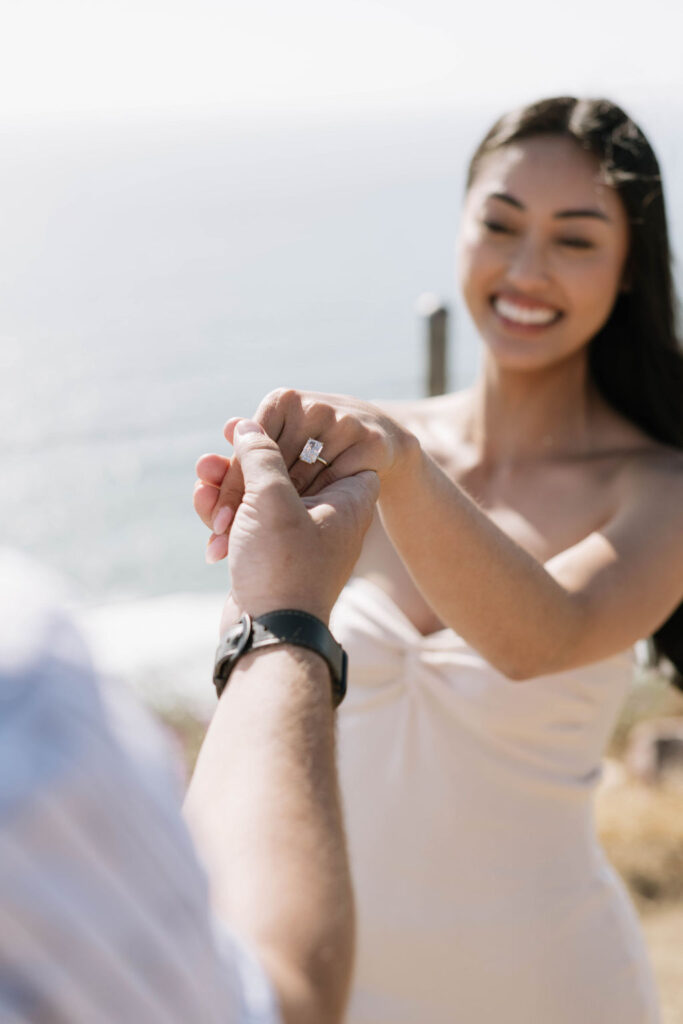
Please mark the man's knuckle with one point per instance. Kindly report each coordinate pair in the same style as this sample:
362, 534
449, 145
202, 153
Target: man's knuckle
321, 411
287, 396
279, 398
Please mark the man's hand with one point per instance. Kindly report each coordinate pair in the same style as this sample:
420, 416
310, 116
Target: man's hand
285, 551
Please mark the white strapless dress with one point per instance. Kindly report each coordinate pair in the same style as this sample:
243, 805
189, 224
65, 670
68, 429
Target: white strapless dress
483, 895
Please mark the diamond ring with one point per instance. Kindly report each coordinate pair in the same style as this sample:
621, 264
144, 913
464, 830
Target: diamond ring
311, 452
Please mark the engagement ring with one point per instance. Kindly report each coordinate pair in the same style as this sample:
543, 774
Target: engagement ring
311, 452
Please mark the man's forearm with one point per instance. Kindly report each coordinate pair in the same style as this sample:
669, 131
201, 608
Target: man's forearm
267, 822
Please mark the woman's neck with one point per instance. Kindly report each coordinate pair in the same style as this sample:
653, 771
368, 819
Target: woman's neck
517, 416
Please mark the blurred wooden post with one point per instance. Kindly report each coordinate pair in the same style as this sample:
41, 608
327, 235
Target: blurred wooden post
435, 316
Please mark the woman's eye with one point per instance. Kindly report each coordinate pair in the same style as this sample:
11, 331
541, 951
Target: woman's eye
577, 243
497, 227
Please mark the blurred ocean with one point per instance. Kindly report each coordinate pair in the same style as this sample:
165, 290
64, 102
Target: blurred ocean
159, 275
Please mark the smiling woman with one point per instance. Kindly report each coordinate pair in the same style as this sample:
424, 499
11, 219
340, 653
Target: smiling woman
635, 357
531, 531
543, 249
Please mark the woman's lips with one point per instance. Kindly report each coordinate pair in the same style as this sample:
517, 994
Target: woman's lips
525, 313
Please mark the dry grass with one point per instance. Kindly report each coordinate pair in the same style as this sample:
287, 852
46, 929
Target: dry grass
641, 825
641, 828
652, 697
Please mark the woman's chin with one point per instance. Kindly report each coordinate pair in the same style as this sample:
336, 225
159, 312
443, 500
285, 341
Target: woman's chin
531, 352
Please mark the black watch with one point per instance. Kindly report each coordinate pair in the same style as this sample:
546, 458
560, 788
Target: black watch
282, 627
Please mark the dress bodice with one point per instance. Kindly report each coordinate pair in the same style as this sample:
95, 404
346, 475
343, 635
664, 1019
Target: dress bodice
474, 856
558, 724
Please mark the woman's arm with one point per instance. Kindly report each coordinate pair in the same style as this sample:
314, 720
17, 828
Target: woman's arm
528, 619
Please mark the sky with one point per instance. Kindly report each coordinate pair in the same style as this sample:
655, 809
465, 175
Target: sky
84, 56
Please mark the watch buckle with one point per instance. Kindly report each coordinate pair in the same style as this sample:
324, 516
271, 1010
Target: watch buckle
245, 636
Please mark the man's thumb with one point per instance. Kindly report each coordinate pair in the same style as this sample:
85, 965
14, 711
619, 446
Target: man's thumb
256, 452
244, 427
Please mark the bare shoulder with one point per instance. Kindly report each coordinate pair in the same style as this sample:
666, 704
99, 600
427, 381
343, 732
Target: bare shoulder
646, 471
648, 492
653, 473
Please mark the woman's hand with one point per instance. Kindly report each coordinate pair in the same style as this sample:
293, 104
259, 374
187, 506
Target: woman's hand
355, 435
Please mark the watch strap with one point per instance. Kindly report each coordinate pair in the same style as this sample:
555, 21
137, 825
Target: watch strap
286, 626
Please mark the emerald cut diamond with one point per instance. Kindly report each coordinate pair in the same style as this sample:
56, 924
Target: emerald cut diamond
311, 450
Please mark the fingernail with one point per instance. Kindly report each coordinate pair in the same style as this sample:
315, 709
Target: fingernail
217, 549
222, 519
248, 427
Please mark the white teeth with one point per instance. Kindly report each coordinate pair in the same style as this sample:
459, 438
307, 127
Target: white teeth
521, 314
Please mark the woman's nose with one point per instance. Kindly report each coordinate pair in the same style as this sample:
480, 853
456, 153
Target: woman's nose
528, 264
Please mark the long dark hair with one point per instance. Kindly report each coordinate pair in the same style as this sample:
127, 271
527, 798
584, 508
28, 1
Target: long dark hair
635, 359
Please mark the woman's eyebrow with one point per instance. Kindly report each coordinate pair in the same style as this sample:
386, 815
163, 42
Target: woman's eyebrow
505, 197
588, 211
